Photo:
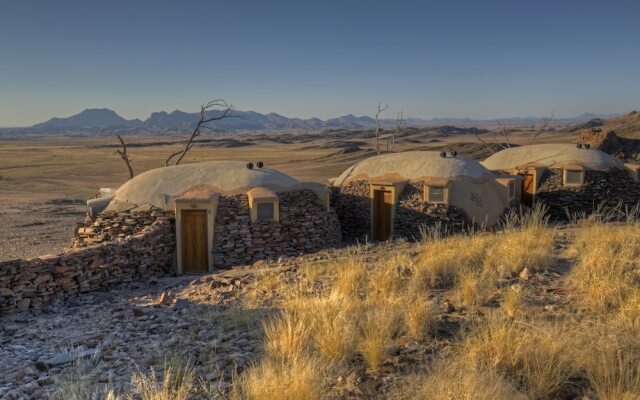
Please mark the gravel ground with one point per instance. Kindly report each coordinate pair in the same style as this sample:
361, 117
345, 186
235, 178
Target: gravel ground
29, 230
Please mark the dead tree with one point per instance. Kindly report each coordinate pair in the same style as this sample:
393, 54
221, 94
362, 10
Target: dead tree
377, 132
399, 127
220, 105
125, 157
545, 123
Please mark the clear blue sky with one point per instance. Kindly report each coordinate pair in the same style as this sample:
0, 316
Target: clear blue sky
473, 58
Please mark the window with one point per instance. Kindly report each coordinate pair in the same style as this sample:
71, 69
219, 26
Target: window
512, 190
573, 177
265, 211
436, 194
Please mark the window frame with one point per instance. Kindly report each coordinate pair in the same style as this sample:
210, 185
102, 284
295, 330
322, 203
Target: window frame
443, 198
511, 190
570, 171
258, 205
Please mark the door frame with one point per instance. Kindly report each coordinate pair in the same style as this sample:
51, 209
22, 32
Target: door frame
395, 187
536, 173
376, 214
210, 204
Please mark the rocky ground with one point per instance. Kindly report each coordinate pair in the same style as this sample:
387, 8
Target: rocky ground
31, 229
141, 326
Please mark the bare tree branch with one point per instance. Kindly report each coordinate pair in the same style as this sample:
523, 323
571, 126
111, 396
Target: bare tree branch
214, 104
125, 157
399, 127
503, 129
377, 132
545, 123
484, 143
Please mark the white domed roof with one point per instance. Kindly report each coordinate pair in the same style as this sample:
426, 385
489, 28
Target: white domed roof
413, 165
551, 155
159, 186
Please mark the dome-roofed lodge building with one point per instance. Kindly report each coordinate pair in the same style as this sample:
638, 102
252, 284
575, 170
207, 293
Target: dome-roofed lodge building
400, 194
231, 212
568, 178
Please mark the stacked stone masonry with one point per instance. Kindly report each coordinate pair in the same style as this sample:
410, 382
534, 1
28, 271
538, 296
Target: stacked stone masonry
608, 188
26, 284
413, 215
118, 226
305, 226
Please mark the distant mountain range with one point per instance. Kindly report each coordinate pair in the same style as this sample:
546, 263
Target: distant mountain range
105, 121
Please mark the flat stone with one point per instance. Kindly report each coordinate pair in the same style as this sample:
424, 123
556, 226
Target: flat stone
181, 304
62, 359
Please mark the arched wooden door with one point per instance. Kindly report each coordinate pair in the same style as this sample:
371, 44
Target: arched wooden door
381, 218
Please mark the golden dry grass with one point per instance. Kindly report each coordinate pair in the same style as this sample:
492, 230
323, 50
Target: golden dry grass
177, 382
535, 357
352, 312
606, 273
451, 380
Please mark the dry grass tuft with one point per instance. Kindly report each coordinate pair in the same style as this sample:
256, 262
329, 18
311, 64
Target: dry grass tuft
449, 380
512, 301
476, 289
442, 261
286, 336
606, 274
534, 358
177, 383
299, 377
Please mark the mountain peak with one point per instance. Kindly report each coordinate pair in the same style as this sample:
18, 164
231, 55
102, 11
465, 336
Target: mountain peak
90, 117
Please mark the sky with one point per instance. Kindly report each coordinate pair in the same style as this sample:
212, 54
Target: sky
477, 59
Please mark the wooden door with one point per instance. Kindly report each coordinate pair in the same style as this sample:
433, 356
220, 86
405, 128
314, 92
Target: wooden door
528, 188
382, 203
195, 258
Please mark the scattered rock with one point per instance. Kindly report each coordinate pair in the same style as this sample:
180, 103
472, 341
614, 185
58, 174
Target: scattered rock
62, 359
181, 304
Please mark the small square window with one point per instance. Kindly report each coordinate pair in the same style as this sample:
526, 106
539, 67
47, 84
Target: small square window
573, 177
265, 211
512, 190
436, 194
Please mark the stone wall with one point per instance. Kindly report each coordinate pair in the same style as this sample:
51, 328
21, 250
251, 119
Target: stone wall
305, 226
117, 226
353, 207
26, 284
608, 187
414, 214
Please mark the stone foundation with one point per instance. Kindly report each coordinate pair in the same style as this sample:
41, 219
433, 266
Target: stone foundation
26, 284
413, 214
600, 187
305, 226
